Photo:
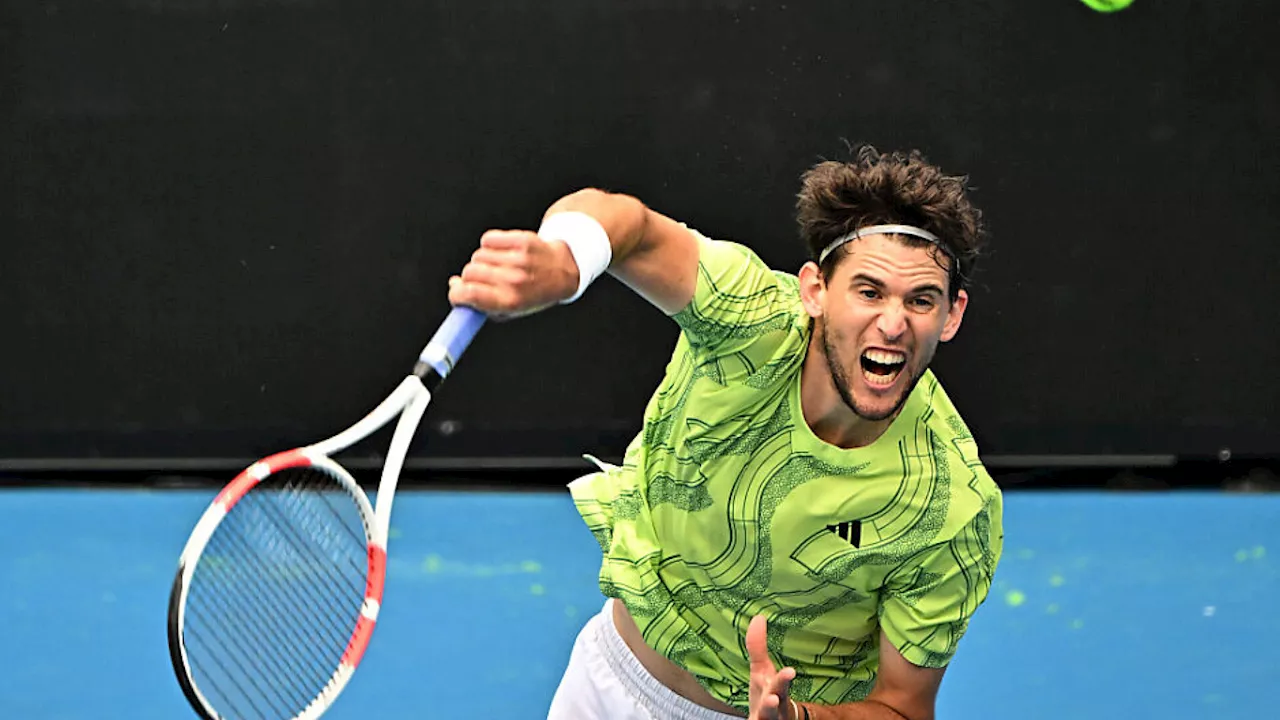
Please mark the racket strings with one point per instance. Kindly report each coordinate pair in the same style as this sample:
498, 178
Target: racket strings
237, 659
279, 620
288, 525
275, 596
286, 632
305, 609
248, 690
262, 659
306, 600
271, 623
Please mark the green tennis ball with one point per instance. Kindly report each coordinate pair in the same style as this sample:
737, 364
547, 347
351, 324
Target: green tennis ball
1106, 6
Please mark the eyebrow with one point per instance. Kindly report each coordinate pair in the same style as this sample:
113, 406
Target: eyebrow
875, 282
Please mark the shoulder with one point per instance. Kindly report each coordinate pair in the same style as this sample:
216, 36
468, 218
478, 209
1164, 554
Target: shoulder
740, 302
963, 479
728, 266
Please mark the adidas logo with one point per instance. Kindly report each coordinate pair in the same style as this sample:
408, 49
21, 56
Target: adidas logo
850, 532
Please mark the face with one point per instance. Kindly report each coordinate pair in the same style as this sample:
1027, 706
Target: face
879, 319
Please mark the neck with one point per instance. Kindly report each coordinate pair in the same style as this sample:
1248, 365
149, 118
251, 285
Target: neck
825, 411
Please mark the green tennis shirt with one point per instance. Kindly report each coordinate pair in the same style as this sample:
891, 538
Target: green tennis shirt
727, 505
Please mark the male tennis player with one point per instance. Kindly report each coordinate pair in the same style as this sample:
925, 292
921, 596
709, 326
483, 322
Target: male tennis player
802, 528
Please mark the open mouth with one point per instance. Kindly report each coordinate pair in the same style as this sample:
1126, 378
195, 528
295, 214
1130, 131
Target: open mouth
880, 368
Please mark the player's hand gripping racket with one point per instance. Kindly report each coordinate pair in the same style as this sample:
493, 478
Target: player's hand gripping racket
279, 586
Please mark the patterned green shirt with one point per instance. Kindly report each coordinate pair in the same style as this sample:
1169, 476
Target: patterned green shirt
727, 505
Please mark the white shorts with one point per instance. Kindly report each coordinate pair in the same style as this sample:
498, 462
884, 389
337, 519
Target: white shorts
605, 681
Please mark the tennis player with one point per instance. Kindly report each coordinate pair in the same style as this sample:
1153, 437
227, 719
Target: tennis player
803, 527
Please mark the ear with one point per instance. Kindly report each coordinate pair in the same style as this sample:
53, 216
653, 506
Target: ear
955, 315
813, 289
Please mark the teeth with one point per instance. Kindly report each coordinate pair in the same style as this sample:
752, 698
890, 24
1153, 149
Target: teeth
881, 380
885, 357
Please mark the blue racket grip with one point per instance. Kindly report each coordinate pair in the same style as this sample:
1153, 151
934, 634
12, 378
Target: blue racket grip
447, 345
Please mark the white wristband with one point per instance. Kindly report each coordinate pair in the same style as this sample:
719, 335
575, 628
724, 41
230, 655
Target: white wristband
588, 243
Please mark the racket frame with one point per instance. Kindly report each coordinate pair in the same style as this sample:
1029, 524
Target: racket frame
409, 401
203, 533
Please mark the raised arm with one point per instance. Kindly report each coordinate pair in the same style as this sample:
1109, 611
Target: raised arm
517, 272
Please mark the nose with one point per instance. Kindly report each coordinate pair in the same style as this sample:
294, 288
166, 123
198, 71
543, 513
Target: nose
892, 321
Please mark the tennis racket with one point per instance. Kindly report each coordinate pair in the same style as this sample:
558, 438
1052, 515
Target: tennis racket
279, 585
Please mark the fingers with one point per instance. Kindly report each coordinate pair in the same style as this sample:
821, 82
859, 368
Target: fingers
482, 273
769, 708
498, 278
779, 686
500, 257
758, 645
771, 687
515, 273
507, 239
492, 299
773, 706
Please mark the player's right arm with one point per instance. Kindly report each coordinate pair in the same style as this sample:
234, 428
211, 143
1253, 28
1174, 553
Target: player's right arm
516, 272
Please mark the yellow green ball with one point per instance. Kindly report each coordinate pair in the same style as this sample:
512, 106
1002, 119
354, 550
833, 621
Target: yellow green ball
1107, 6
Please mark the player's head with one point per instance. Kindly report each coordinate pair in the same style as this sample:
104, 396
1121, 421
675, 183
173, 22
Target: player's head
883, 298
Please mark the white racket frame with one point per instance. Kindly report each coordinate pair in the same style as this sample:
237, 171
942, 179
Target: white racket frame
408, 401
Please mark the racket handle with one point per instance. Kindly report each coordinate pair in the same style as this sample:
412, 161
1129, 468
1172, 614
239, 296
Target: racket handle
447, 345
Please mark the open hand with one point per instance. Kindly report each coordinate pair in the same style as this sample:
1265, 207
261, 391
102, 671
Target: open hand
770, 691
514, 273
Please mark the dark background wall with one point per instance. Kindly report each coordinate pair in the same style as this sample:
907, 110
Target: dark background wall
227, 226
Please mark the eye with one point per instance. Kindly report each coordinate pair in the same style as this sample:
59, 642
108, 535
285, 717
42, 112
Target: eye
922, 303
869, 293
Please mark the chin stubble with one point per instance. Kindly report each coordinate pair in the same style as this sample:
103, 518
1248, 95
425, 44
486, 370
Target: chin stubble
844, 387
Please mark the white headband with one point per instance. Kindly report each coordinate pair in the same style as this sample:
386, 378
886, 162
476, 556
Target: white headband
884, 230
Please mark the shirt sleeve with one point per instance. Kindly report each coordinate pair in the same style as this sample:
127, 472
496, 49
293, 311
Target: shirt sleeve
929, 600
738, 300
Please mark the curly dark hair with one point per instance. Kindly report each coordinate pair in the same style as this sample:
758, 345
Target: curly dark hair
895, 188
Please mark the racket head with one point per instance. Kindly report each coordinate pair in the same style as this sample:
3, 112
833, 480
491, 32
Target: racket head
277, 591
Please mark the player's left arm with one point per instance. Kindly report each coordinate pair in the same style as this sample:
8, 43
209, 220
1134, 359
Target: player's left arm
903, 690
926, 606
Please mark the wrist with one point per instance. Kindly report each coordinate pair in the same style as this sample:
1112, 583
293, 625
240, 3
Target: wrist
588, 245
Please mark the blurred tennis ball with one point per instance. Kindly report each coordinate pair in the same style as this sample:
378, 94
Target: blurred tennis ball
1106, 6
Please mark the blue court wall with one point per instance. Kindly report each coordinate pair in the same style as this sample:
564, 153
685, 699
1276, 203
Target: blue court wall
1106, 606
